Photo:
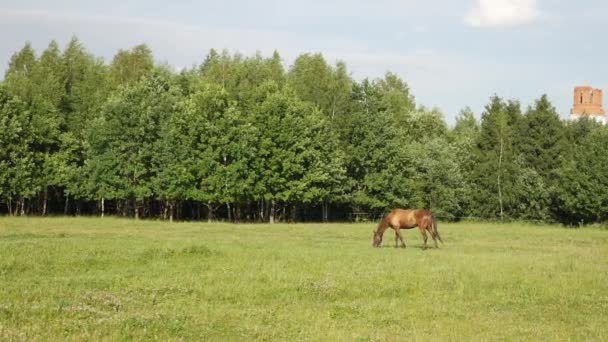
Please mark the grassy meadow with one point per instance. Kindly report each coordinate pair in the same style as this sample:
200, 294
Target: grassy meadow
117, 279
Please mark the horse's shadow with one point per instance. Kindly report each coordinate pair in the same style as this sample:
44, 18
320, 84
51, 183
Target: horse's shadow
420, 247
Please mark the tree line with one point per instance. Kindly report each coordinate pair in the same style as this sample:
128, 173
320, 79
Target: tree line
242, 138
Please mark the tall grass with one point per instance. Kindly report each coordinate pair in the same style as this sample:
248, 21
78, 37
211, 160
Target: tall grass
115, 279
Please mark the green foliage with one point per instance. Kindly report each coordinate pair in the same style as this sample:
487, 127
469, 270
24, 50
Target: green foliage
247, 139
17, 158
396, 97
18, 76
125, 140
583, 190
221, 144
439, 182
377, 158
464, 139
85, 84
329, 88
496, 171
532, 194
286, 163
540, 139
130, 66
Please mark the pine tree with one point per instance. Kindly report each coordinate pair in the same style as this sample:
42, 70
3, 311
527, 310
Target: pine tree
496, 171
540, 139
583, 190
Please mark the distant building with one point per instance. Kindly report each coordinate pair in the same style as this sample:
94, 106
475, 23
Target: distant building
588, 103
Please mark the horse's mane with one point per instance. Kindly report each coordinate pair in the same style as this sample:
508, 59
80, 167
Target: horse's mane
383, 223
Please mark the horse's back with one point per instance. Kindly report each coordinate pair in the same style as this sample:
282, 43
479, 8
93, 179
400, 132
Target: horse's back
408, 218
423, 213
403, 218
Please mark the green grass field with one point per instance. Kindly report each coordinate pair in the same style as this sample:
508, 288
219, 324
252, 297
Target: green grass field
116, 279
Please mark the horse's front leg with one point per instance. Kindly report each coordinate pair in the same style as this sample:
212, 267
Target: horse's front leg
398, 235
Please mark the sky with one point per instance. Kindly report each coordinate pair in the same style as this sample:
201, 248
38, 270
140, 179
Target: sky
452, 53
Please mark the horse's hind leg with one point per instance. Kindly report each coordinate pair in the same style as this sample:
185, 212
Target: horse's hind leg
396, 237
434, 236
424, 236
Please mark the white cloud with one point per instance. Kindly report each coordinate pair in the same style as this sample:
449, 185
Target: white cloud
502, 13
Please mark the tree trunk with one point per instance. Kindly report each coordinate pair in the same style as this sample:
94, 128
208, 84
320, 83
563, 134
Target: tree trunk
22, 206
325, 210
261, 210
209, 212
229, 212
45, 200
136, 210
271, 214
67, 205
103, 207
9, 206
171, 212
294, 212
499, 174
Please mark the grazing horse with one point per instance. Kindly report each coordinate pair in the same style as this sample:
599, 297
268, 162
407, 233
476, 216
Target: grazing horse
399, 219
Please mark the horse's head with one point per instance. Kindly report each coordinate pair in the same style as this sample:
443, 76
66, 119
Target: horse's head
377, 239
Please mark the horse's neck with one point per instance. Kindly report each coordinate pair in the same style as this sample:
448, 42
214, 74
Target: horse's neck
383, 225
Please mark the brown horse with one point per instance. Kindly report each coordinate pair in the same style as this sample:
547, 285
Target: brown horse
399, 219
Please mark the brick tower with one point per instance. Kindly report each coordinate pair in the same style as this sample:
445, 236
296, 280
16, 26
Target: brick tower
588, 102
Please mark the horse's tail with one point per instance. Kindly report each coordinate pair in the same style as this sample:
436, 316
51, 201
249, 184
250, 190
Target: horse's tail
435, 231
